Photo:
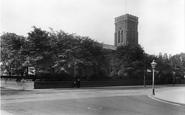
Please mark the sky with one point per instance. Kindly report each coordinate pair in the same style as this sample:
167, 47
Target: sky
161, 22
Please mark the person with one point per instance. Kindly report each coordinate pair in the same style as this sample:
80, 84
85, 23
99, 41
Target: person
18, 80
23, 83
6, 79
74, 84
78, 83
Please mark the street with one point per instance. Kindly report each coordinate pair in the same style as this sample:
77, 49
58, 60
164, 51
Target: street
94, 101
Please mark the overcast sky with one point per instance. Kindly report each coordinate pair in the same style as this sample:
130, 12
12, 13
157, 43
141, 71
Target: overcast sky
161, 22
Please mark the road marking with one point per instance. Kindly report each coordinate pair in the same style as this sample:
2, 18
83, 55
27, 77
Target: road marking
95, 108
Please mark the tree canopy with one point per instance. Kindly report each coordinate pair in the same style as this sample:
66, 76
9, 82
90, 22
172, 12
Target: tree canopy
59, 53
129, 60
11, 57
52, 52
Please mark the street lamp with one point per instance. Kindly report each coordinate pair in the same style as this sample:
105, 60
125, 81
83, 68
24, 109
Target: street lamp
174, 79
153, 64
144, 73
182, 66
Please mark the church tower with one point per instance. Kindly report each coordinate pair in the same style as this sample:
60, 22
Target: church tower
126, 30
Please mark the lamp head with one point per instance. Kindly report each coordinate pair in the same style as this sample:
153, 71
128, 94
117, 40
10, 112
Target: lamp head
153, 64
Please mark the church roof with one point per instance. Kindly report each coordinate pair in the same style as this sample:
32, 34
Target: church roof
108, 46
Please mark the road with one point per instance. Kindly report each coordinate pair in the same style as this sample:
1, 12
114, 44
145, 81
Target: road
94, 101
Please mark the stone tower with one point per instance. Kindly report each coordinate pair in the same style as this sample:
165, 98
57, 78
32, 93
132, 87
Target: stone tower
126, 29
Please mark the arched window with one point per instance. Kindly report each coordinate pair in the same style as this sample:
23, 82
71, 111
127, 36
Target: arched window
122, 35
118, 37
132, 36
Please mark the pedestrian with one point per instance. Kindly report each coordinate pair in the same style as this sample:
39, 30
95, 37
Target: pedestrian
6, 79
18, 80
23, 83
78, 83
74, 84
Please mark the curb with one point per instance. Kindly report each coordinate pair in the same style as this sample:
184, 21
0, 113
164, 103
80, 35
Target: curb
166, 101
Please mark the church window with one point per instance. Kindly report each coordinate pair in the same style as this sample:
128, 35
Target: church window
118, 37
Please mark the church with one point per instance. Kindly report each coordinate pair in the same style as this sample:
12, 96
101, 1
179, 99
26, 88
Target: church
126, 31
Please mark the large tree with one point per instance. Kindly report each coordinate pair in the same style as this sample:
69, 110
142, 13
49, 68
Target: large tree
11, 54
77, 55
39, 50
66, 51
178, 64
129, 60
92, 57
55, 52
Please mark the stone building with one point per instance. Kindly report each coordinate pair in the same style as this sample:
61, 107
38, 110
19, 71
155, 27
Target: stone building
126, 30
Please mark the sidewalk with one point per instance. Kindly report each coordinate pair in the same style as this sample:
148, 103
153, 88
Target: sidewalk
28, 85
176, 95
4, 113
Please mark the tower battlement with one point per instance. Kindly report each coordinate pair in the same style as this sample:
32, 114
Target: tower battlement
125, 17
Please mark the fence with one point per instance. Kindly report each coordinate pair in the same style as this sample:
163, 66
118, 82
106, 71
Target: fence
70, 84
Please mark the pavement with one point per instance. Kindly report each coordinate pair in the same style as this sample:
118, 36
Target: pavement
12, 84
175, 95
166, 93
5, 113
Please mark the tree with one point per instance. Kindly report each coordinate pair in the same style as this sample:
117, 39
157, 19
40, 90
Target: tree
11, 57
39, 50
65, 48
77, 55
92, 57
178, 64
129, 60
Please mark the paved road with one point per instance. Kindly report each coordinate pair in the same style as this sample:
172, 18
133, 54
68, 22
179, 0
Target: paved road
115, 101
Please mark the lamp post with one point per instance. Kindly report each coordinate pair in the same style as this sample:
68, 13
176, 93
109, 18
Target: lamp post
144, 73
181, 65
174, 78
27, 64
153, 64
